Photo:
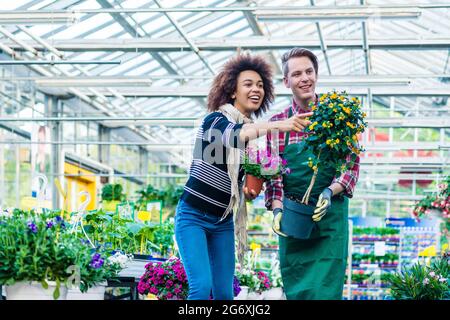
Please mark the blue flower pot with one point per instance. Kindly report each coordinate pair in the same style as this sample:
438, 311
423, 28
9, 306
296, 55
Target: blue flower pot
297, 220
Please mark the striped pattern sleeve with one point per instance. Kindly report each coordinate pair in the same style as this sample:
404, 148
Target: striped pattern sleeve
218, 129
349, 178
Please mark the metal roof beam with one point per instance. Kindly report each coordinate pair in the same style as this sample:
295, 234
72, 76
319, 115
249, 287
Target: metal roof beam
219, 44
197, 92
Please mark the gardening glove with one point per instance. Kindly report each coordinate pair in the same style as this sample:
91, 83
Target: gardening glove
322, 205
276, 225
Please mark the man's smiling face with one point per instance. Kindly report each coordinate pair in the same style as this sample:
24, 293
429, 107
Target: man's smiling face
301, 78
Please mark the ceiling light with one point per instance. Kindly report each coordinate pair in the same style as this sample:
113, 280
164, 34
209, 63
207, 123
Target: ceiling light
318, 13
36, 17
54, 62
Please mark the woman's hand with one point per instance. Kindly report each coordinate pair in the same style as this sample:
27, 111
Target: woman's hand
296, 123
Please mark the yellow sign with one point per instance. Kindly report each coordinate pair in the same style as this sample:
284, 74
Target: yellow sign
28, 203
144, 215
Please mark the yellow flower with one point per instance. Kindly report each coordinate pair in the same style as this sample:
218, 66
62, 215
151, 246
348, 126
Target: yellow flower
310, 164
335, 110
331, 105
364, 114
346, 110
334, 96
314, 168
351, 125
341, 105
355, 138
337, 140
314, 108
329, 141
342, 98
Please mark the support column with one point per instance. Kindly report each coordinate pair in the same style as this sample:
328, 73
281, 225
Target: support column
53, 108
104, 151
143, 164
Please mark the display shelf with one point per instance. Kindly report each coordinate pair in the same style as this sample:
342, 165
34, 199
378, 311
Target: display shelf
257, 233
366, 293
375, 252
372, 242
363, 265
414, 241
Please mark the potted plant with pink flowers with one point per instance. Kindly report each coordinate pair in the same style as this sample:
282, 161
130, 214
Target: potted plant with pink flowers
260, 166
438, 206
166, 280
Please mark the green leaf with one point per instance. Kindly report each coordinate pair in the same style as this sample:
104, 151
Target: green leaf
44, 284
56, 293
134, 227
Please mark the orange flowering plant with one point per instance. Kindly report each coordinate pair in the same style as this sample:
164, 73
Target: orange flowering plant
332, 135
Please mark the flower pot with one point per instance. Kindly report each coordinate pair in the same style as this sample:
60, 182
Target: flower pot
242, 294
252, 182
255, 296
25, 290
94, 293
296, 220
274, 294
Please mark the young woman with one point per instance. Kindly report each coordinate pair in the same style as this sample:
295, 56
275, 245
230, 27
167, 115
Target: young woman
204, 226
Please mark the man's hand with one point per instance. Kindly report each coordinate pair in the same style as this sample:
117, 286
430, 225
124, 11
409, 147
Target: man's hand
322, 205
276, 225
250, 194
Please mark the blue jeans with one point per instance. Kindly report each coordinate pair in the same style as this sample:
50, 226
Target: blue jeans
207, 250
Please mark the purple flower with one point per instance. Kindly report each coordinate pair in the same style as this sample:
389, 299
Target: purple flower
32, 227
97, 261
58, 219
284, 162
236, 286
50, 224
288, 171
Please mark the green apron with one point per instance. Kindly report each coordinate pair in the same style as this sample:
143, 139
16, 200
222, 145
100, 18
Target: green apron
314, 269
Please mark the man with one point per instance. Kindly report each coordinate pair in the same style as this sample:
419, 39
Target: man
312, 268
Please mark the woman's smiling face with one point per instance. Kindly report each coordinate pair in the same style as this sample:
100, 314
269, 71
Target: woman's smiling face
249, 93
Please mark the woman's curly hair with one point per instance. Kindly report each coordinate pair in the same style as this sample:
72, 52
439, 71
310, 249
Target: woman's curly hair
224, 84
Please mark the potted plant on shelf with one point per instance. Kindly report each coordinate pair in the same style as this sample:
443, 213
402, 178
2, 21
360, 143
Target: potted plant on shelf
166, 280
163, 238
37, 256
150, 193
141, 239
260, 166
96, 268
438, 206
112, 195
330, 148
